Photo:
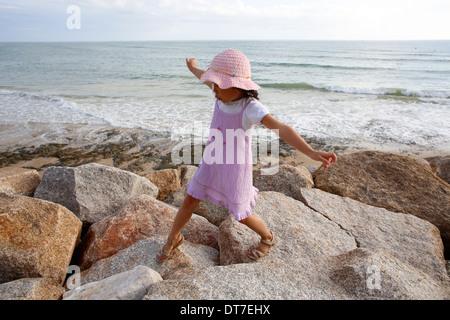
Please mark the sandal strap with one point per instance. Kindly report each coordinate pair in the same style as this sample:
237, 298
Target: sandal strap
174, 242
270, 243
162, 255
257, 253
164, 252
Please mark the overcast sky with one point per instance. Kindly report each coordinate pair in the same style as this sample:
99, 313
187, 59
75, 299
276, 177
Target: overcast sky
110, 20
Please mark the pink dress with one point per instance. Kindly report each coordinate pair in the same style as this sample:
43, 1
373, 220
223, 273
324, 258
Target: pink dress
224, 175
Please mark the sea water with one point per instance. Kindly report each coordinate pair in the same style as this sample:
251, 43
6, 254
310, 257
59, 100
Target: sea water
392, 95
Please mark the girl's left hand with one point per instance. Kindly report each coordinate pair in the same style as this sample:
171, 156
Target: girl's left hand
327, 158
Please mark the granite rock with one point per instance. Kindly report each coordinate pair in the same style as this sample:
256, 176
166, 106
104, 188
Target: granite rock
128, 285
406, 237
31, 289
318, 256
167, 181
92, 191
288, 180
397, 183
187, 257
441, 166
140, 218
37, 238
24, 183
375, 274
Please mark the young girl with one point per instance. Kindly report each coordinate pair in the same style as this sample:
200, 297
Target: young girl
230, 183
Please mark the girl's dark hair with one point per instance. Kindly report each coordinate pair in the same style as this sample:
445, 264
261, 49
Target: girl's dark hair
250, 94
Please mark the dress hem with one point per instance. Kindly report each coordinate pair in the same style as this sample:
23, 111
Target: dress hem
237, 215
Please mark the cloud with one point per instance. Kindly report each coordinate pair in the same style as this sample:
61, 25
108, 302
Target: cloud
383, 19
127, 5
233, 19
202, 8
236, 8
2, 6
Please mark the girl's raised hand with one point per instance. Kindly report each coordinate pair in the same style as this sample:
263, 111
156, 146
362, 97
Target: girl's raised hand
191, 63
327, 158
192, 66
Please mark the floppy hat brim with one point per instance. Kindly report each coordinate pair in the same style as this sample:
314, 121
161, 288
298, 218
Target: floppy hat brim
225, 81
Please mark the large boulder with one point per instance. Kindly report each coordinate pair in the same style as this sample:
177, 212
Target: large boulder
334, 225
92, 191
167, 181
251, 281
441, 166
317, 256
359, 274
406, 237
397, 183
140, 218
300, 233
24, 183
31, 289
287, 180
37, 238
212, 212
186, 258
129, 285
375, 274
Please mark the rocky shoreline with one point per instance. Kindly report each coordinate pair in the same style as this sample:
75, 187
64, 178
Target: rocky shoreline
39, 146
134, 150
84, 220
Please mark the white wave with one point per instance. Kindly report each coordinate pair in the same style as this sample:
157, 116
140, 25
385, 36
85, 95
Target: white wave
334, 118
24, 107
366, 120
398, 92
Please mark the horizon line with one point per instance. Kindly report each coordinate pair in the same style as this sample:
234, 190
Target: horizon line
215, 40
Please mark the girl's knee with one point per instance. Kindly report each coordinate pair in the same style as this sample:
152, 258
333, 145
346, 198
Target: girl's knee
244, 221
190, 201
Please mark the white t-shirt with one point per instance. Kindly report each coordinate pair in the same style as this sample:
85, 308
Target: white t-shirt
253, 114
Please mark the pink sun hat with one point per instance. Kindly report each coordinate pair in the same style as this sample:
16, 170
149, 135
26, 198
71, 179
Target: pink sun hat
230, 68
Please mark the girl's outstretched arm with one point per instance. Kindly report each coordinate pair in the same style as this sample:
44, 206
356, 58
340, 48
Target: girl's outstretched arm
192, 66
291, 137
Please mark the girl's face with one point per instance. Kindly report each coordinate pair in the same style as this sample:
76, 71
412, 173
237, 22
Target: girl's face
227, 95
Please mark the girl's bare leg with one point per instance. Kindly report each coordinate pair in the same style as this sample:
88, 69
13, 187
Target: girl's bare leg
258, 225
182, 218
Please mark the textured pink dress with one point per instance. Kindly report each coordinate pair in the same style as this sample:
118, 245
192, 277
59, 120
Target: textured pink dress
224, 175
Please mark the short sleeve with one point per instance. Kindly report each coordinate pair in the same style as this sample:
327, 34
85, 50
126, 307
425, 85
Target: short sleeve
255, 112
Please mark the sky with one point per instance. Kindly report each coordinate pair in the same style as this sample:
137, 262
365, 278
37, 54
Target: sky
136, 20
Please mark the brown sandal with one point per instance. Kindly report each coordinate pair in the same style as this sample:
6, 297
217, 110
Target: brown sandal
164, 255
256, 253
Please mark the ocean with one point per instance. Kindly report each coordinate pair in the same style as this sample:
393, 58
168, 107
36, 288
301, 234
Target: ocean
389, 96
